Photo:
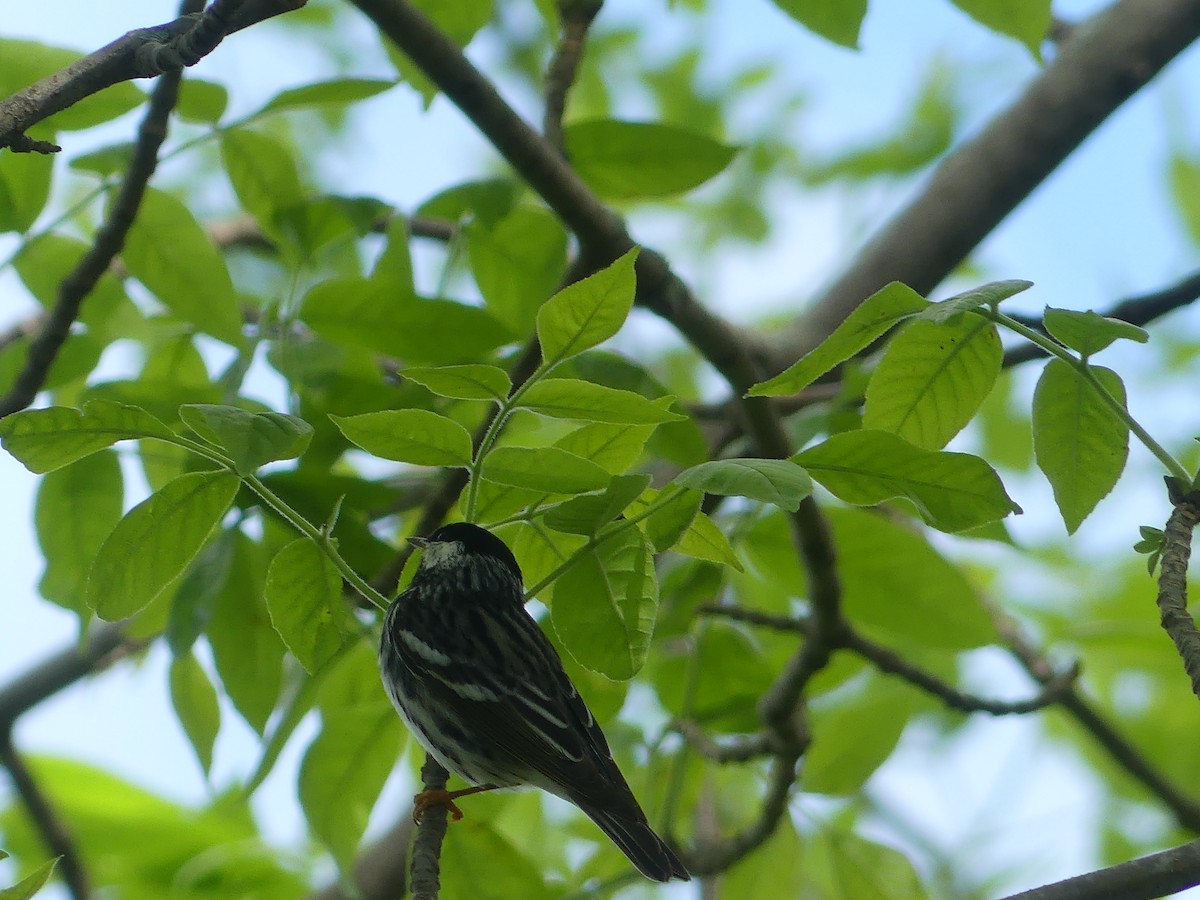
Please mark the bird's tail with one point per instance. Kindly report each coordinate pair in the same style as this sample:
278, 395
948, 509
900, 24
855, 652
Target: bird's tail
632, 833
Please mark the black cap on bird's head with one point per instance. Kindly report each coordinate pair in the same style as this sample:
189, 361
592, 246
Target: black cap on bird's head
464, 539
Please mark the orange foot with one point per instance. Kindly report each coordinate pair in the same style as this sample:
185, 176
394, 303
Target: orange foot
443, 797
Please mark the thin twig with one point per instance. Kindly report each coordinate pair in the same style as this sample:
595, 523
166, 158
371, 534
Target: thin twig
427, 847
1172, 580
577, 17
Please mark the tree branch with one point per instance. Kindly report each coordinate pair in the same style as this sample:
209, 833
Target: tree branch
577, 17
1148, 878
143, 53
1172, 580
1103, 62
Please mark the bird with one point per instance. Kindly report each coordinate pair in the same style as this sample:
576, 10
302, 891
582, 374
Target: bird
483, 690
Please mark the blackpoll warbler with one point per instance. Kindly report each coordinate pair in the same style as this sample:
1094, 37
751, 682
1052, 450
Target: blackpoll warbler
483, 690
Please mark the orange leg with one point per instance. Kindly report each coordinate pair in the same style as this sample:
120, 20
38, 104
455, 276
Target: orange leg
442, 797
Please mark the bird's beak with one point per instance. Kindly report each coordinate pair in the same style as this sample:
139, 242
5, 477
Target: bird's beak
419, 542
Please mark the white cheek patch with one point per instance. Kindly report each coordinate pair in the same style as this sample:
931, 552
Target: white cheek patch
440, 554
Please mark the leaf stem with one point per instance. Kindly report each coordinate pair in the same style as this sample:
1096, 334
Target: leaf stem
1085, 372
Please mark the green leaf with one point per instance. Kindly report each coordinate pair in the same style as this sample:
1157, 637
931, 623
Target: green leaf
843, 866
395, 261
251, 439
24, 189
1080, 444
547, 469
304, 598
415, 436
843, 754
932, 379
898, 588
777, 481
339, 91
873, 317
70, 540
587, 514
835, 20
622, 160
343, 772
604, 606
195, 701
246, 648
990, 294
614, 448
1185, 191
667, 525
469, 382
198, 592
952, 491
462, 876
587, 312
704, 540
571, 398
517, 263
48, 439
168, 252
263, 173
155, 541
1026, 20
384, 315
201, 101
1088, 332
31, 883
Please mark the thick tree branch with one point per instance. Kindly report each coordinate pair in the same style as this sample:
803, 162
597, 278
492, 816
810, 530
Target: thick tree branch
1101, 64
1148, 878
143, 53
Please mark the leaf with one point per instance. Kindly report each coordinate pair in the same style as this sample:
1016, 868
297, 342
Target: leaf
468, 382
48, 439
899, 588
517, 263
462, 876
587, 514
1089, 332
704, 540
932, 379
384, 315
152, 545
343, 772
201, 101
195, 701
622, 160
613, 447
873, 317
198, 592
544, 469
587, 312
990, 294
1080, 444
304, 598
835, 20
24, 189
604, 606
70, 540
263, 173
168, 252
31, 883
339, 91
251, 439
246, 649
1026, 20
667, 525
844, 754
952, 491
571, 398
415, 436
777, 481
